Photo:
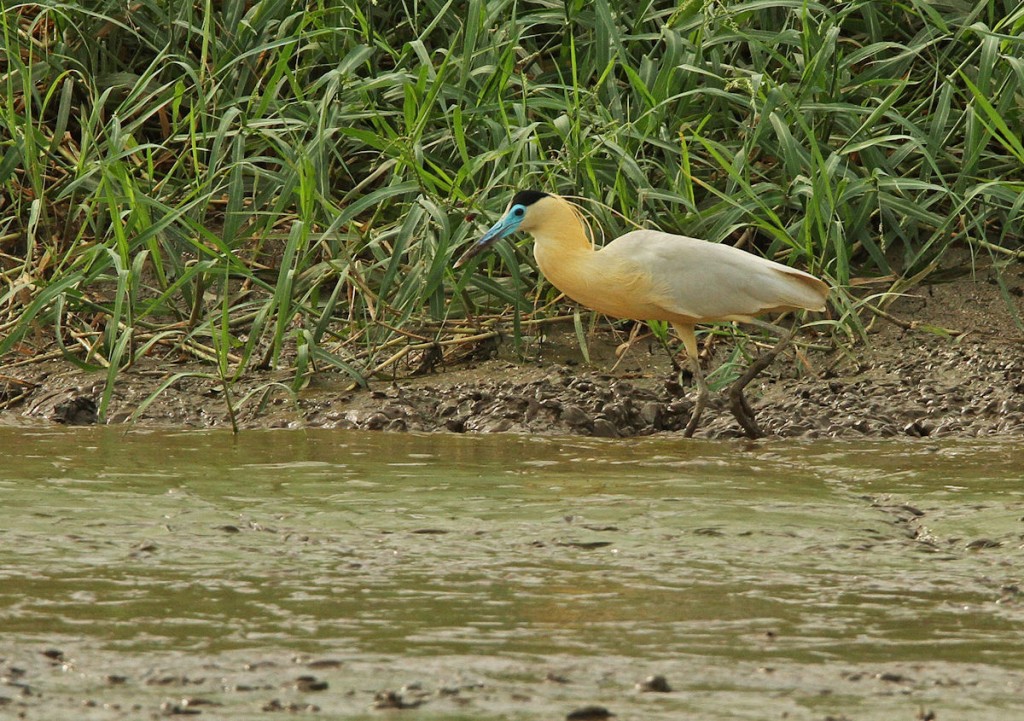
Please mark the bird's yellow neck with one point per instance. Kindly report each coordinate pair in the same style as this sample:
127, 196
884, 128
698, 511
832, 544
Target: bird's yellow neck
567, 258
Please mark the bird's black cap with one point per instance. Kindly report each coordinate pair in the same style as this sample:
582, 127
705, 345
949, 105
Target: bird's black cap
527, 197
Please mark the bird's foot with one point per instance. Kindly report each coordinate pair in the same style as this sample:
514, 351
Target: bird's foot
698, 410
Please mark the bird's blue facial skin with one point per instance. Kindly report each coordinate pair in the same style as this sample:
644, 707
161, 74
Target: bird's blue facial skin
508, 225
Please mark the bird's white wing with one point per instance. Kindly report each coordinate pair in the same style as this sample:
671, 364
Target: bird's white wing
710, 281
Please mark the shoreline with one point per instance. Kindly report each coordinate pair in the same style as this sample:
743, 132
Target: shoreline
910, 380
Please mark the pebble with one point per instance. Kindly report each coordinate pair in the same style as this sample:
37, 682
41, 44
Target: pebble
575, 416
654, 684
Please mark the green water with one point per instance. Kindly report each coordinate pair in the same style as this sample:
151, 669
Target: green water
768, 580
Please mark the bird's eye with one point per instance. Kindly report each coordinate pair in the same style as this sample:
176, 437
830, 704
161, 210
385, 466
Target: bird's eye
519, 212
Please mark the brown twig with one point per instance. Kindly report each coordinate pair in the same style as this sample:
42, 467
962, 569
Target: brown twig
905, 324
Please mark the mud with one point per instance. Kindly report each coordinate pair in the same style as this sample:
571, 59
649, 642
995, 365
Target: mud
254, 685
946, 361
367, 576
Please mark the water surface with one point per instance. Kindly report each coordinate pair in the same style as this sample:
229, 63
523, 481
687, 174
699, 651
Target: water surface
487, 577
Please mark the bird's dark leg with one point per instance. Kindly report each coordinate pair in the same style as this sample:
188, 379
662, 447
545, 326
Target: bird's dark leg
737, 401
702, 397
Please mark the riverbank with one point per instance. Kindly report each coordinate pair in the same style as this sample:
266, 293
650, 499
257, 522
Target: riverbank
946, 360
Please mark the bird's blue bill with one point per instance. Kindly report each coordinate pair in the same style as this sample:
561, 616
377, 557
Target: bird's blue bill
504, 227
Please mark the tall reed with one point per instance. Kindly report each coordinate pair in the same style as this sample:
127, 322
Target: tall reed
282, 184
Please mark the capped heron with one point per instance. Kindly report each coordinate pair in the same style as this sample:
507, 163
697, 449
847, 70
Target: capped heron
650, 275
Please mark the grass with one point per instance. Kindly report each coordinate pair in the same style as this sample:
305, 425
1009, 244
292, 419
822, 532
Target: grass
276, 184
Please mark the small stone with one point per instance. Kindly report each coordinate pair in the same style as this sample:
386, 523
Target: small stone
980, 543
589, 713
575, 416
456, 425
603, 428
500, 425
276, 705
325, 663
169, 708
393, 699
654, 684
77, 411
651, 414
918, 429
310, 683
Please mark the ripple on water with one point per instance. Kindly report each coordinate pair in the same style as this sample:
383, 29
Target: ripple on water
751, 575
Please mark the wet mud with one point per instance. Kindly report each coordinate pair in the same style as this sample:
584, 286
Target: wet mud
944, 361
964, 391
268, 685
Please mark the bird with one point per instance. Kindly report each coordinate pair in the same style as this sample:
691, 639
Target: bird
649, 275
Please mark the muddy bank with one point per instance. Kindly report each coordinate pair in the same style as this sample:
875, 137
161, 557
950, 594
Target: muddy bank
35, 684
934, 391
947, 360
